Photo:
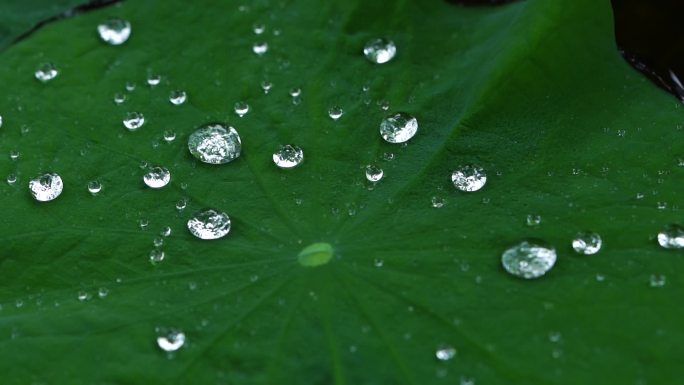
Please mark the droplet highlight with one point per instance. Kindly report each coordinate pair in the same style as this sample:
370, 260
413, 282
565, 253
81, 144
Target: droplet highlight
529, 259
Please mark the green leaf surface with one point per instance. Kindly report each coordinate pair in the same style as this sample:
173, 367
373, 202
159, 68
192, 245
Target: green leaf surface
534, 91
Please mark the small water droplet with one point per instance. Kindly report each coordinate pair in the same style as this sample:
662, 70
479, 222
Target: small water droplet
169, 136
469, 178
671, 237
438, 202
171, 340
388, 156
445, 352
0, 121
143, 223
46, 187
82, 296
130, 86
178, 97
377, 262
258, 28
94, 187
533, 220
587, 243
158, 241
266, 86
133, 121
209, 224
288, 156
380, 50
374, 173
14, 154
241, 108
398, 128
102, 292
166, 231
335, 112
384, 105
119, 98
181, 204
46, 72
295, 92
156, 256
114, 31
153, 79
529, 259
661, 205
260, 48
657, 280
215, 144
11, 178
157, 177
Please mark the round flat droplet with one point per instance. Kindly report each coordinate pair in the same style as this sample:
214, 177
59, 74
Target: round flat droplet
169, 136
445, 352
215, 144
11, 178
156, 256
130, 86
335, 112
529, 259
46, 187
119, 98
316, 254
241, 108
133, 120
295, 92
209, 224
178, 97
380, 50
260, 48
469, 178
157, 177
374, 173
671, 237
587, 243
94, 187
153, 79
46, 72
398, 128
288, 156
171, 341
114, 31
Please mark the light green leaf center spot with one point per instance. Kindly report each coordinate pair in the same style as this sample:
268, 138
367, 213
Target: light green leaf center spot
316, 254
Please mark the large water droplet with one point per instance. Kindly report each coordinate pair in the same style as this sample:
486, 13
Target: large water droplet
445, 352
157, 177
209, 224
469, 178
133, 121
374, 173
671, 237
398, 128
587, 243
335, 112
288, 156
316, 254
178, 97
529, 259
114, 31
46, 187
46, 72
171, 341
241, 108
380, 50
215, 144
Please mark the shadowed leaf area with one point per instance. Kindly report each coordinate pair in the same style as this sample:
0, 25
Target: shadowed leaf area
325, 278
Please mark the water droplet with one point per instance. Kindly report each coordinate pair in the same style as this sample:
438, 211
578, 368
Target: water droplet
374, 173
209, 224
288, 156
295, 92
143, 223
467, 381
157, 177
215, 144
260, 48
82, 296
533, 220
384, 105
657, 280
181, 204
130, 86
166, 231
241, 108
171, 341
398, 128
156, 256
445, 352
94, 187
114, 31
133, 121
469, 178
11, 178
119, 98
380, 50
438, 202
258, 28
169, 136
529, 259
266, 86
14, 154
158, 241
46, 187
102, 292
377, 262
153, 79
335, 112
671, 237
178, 97
388, 156
587, 243
46, 72
0, 121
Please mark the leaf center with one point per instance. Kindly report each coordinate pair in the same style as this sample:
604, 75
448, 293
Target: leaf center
316, 254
